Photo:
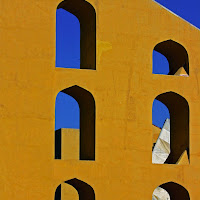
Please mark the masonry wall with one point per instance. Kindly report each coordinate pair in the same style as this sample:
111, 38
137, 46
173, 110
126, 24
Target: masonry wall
122, 85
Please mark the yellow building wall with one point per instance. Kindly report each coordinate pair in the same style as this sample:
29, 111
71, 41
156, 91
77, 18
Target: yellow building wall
70, 144
68, 192
122, 85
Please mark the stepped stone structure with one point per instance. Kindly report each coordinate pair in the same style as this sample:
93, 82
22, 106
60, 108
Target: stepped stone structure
115, 89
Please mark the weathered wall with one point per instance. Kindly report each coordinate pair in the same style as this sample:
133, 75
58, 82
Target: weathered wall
123, 87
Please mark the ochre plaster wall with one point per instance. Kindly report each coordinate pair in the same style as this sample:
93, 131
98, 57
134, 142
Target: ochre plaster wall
122, 85
70, 144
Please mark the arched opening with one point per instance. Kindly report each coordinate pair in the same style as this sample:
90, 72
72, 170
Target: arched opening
170, 58
76, 35
85, 191
174, 135
170, 191
70, 143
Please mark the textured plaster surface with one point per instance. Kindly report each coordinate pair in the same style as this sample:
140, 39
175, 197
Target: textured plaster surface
123, 87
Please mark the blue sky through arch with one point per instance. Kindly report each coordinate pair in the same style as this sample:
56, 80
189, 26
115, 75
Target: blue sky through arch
159, 113
67, 40
67, 112
160, 63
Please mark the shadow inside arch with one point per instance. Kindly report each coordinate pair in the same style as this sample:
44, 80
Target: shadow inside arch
176, 191
176, 55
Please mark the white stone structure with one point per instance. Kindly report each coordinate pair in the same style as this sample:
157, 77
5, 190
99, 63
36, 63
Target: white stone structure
160, 194
161, 149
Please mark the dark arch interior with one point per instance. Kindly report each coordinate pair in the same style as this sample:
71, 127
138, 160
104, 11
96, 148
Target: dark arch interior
87, 123
87, 17
179, 124
176, 55
176, 191
84, 190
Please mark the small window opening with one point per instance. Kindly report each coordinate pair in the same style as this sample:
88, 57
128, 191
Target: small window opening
170, 191
75, 35
79, 190
170, 58
75, 107
170, 119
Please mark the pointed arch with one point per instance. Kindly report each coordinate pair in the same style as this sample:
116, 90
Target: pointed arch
179, 124
86, 15
85, 191
86, 104
176, 55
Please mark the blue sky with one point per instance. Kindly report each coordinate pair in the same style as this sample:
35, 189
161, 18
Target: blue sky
67, 35
186, 9
68, 56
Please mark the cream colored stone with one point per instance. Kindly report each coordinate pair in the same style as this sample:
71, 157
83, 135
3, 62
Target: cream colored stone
160, 194
162, 147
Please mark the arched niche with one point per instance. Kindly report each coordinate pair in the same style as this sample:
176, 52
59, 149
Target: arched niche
85, 191
179, 125
86, 104
86, 15
172, 190
176, 56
